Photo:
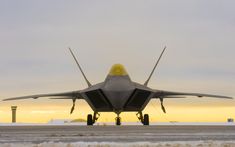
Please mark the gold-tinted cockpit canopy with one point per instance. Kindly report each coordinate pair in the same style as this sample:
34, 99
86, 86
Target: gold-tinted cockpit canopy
118, 70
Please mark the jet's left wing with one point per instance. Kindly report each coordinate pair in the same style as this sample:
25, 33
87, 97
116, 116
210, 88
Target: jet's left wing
165, 94
169, 94
65, 95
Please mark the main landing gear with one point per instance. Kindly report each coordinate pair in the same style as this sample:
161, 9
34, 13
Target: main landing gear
143, 119
91, 120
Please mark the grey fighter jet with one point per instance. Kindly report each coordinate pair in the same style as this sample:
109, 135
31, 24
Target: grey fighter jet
118, 93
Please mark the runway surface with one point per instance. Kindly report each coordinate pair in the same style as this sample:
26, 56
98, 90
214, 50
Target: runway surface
115, 134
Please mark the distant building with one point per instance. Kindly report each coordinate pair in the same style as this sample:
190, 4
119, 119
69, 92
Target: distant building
78, 120
64, 121
59, 121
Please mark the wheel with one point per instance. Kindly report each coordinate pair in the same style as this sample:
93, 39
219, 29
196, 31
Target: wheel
118, 121
146, 120
89, 120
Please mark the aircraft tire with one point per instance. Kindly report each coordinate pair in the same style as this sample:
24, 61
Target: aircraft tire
146, 120
118, 121
89, 120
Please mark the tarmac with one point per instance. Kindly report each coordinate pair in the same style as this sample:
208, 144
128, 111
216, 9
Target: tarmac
119, 134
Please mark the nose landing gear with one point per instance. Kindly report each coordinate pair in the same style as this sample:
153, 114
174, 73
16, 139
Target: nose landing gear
118, 120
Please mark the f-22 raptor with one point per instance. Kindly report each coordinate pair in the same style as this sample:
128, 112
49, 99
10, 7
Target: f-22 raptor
118, 93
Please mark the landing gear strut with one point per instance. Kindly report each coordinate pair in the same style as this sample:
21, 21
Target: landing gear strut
118, 120
143, 119
91, 120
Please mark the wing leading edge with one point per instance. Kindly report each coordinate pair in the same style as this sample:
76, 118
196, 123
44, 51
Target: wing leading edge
65, 95
168, 94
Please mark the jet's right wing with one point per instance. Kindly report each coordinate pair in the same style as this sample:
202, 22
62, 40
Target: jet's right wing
73, 95
65, 95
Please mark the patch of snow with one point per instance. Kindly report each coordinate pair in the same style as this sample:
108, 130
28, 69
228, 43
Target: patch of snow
123, 144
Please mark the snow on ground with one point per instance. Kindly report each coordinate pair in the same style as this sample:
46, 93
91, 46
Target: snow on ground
80, 135
135, 144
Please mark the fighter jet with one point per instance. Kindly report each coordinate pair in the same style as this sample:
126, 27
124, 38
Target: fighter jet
118, 94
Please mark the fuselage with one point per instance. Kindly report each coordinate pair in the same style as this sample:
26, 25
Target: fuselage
117, 93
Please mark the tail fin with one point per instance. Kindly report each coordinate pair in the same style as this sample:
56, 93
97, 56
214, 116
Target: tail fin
88, 83
146, 83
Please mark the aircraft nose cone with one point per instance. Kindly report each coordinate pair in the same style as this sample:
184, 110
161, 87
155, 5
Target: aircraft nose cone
118, 91
118, 99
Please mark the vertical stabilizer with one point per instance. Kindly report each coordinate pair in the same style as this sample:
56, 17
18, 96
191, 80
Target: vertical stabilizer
146, 83
88, 83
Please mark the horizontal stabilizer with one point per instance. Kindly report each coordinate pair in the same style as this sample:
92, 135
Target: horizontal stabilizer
174, 97
62, 98
165, 94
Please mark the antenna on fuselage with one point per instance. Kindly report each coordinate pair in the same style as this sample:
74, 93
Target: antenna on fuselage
146, 83
80, 68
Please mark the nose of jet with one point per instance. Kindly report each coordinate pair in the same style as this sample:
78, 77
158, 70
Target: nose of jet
118, 90
118, 99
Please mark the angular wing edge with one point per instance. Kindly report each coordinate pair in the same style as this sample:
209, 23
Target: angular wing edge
167, 94
68, 95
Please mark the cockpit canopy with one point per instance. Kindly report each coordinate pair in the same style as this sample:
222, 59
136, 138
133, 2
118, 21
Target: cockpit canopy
118, 70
